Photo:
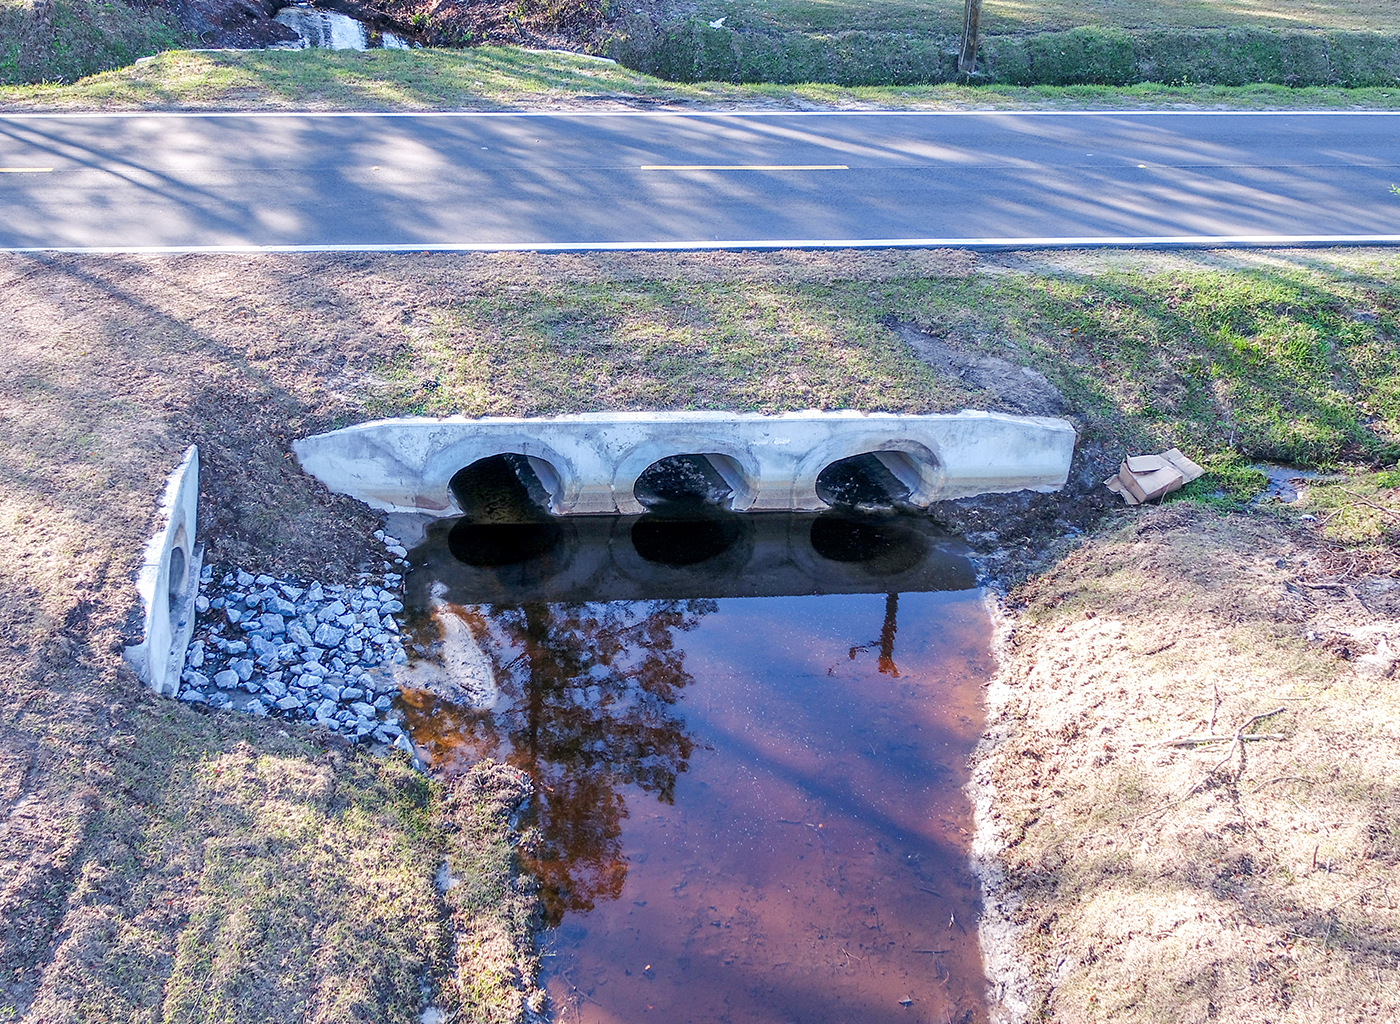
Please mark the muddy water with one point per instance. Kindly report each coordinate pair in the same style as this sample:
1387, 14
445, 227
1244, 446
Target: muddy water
749, 809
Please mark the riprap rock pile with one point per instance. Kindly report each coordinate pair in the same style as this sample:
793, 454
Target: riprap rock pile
301, 650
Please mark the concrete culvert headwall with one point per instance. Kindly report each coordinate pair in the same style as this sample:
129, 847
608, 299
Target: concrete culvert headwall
601, 463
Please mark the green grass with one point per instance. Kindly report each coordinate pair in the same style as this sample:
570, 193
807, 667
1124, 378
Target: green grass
1362, 508
70, 39
695, 51
508, 78
1005, 16
1232, 367
313, 875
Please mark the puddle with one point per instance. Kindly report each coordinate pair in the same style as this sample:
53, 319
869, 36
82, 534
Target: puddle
330, 30
1286, 483
748, 737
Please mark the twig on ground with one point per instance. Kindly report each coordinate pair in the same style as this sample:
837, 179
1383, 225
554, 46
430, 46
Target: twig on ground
1352, 594
1281, 778
1379, 508
1237, 743
1192, 741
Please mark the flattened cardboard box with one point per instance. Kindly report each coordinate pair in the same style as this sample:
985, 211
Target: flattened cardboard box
1144, 478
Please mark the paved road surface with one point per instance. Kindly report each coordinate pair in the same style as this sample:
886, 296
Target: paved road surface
624, 180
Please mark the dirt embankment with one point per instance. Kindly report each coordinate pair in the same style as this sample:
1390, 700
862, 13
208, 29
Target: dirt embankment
1189, 794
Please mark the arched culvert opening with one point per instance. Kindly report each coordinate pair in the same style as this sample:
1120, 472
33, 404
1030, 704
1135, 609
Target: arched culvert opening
882, 545
871, 480
505, 502
686, 484
506, 488
175, 581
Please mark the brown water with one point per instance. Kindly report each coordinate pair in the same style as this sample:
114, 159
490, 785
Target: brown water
750, 809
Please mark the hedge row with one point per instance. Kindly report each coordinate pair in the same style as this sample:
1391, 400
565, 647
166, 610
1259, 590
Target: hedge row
692, 51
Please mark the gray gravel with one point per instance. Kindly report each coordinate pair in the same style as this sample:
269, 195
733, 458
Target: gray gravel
301, 650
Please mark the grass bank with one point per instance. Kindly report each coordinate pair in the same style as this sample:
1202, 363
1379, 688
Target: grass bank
1004, 17
65, 40
1046, 42
161, 863
493, 78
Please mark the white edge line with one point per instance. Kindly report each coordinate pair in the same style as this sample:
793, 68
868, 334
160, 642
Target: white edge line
127, 114
1091, 241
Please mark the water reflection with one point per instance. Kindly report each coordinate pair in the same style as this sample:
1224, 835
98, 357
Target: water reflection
885, 645
588, 709
747, 809
678, 542
715, 555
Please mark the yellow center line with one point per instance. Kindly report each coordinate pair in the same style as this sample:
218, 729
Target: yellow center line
745, 167
25, 170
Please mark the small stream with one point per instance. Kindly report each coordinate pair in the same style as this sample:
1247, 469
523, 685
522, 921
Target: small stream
748, 736
322, 29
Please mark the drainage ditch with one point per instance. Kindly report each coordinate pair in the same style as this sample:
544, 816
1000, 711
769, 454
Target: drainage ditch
747, 732
747, 735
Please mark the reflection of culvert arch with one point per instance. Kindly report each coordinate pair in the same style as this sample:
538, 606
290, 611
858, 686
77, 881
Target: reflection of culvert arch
699, 481
680, 542
491, 545
879, 545
505, 488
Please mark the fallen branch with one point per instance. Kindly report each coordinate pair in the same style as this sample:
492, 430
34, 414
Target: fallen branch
1236, 743
1379, 508
1191, 741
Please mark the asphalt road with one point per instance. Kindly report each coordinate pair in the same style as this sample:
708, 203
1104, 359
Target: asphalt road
553, 181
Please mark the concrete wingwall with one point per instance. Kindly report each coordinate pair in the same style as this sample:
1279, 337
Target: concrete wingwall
590, 463
168, 582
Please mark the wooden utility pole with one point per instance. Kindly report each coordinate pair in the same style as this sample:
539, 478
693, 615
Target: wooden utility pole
967, 56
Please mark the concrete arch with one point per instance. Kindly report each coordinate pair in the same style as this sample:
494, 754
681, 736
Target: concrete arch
168, 582
915, 464
557, 473
739, 468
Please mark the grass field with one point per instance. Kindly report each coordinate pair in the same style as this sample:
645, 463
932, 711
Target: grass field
507, 78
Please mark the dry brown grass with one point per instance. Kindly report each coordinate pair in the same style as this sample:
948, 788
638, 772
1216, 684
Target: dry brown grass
1225, 881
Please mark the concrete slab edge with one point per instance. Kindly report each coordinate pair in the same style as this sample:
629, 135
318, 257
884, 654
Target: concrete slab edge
167, 581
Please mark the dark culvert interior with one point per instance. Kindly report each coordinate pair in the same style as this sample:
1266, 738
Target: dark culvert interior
866, 481
505, 508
